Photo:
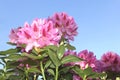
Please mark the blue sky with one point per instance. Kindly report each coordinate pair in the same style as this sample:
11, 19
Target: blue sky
98, 21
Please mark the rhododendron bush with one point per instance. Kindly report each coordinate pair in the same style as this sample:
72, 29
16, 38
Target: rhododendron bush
43, 52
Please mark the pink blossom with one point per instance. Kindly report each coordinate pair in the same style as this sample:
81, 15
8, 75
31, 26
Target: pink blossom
70, 52
111, 62
21, 65
27, 66
39, 34
76, 77
66, 25
13, 35
98, 66
89, 59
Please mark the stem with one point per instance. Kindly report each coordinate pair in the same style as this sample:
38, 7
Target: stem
35, 77
56, 76
43, 74
84, 78
26, 76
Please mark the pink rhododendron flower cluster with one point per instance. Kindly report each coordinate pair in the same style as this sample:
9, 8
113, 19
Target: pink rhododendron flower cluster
111, 62
76, 77
39, 34
89, 59
66, 25
43, 32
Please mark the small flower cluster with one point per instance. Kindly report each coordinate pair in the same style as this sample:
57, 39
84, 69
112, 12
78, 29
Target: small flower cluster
44, 32
65, 24
109, 62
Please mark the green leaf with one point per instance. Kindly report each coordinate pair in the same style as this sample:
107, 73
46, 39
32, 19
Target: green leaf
9, 51
1, 71
14, 57
31, 56
91, 74
34, 52
67, 76
31, 62
65, 69
13, 44
54, 58
47, 64
3, 59
52, 65
15, 77
23, 45
9, 73
33, 70
70, 58
60, 51
53, 47
51, 72
70, 47
96, 75
12, 64
2, 78
1, 63
78, 71
88, 71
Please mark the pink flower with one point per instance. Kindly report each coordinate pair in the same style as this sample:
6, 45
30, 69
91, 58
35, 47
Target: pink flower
13, 35
49, 35
70, 52
89, 59
66, 25
76, 77
98, 66
39, 34
111, 62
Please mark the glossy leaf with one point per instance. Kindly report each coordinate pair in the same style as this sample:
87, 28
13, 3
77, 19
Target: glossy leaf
65, 69
14, 57
31, 56
70, 47
88, 71
53, 56
70, 58
33, 70
47, 64
95, 75
51, 71
52, 65
61, 51
67, 76
13, 44
9, 51
2, 78
31, 62
78, 71
53, 47
12, 64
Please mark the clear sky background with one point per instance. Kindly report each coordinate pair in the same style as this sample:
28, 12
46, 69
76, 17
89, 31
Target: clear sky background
98, 21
